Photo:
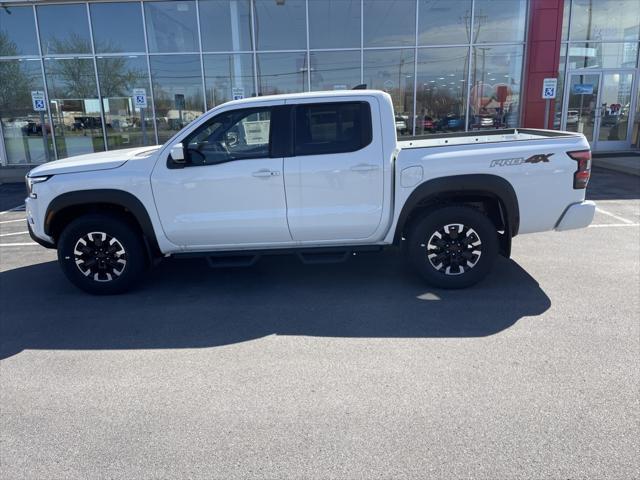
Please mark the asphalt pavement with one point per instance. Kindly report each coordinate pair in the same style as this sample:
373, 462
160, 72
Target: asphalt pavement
352, 370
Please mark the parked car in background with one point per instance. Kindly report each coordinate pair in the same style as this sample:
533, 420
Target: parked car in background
428, 124
401, 125
452, 122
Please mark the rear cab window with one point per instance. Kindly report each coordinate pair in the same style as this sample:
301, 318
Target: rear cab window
337, 127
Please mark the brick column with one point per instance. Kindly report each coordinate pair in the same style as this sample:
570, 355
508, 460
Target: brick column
542, 59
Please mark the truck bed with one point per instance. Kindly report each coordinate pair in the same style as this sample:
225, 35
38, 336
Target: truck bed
487, 136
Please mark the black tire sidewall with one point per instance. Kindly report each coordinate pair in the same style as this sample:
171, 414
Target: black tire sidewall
436, 219
126, 235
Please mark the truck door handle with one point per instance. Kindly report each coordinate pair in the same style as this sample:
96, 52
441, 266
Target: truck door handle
265, 173
364, 167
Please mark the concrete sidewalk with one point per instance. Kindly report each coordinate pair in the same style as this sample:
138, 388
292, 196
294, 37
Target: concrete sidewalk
627, 164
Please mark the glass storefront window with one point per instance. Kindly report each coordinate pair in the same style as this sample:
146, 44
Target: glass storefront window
605, 20
495, 87
228, 76
392, 71
64, 29
334, 23
444, 22
177, 90
280, 25
226, 25
282, 73
557, 103
499, 20
602, 55
389, 23
335, 70
126, 125
22, 127
74, 104
117, 27
442, 89
172, 26
17, 31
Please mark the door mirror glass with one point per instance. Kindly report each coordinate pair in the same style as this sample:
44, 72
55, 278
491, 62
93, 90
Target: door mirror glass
177, 153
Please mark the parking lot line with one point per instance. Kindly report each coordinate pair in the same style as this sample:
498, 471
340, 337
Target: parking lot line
602, 225
14, 209
13, 221
612, 215
13, 233
21, 244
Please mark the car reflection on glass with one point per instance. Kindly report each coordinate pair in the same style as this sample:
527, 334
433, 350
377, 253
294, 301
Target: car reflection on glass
452, 122
401, 125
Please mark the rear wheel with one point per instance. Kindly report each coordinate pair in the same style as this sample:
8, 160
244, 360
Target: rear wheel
453, 247
101, 254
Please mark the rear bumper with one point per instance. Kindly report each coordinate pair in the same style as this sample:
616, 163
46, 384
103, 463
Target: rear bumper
577, 215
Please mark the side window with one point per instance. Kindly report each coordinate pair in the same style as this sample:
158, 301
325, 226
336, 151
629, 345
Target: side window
234, 135
332, 127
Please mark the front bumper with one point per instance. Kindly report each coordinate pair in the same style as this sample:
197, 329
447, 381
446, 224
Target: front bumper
35, 227
577, 215
44, 243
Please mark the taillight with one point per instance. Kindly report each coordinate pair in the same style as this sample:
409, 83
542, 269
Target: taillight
582, 175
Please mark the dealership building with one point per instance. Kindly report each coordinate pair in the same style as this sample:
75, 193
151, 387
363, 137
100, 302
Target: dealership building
82, 77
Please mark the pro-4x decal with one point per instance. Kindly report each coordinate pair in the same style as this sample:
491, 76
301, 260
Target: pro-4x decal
541, 157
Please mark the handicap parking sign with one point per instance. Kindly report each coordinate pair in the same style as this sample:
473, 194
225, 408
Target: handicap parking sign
549, 87
38, 102
140, 97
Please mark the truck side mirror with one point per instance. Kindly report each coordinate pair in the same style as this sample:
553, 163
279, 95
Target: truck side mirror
177, 153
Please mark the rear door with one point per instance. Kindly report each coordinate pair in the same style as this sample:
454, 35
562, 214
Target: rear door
334, 181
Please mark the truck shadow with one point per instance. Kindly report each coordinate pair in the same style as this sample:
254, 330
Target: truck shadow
184, 304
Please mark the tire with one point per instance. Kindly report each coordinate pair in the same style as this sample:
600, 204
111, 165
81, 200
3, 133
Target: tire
101, 254
436, 253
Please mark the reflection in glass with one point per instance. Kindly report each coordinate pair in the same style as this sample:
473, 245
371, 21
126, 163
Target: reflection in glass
499, 20
64, 29
117, 27
226, 25
172, 26
495, 91
442, 89
280, 25
228, 77
124, 121
444, 22
21, 126
603, 55
392, 71
605, 20
614, 106
282, 73
557, 103
334, 23
389, 23
17, 31
583, 97
335, 70
75, 108
177, 90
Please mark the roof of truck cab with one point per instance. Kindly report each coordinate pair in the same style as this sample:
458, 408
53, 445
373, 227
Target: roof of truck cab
308, 95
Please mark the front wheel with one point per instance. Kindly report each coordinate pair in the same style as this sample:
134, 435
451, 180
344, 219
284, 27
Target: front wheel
101, 254
453, 247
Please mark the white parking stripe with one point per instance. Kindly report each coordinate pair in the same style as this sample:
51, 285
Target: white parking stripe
14, 209
14, 233
621, 219
22, 244
13, 221
603, 225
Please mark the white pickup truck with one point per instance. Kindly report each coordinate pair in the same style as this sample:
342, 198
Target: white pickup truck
319, 174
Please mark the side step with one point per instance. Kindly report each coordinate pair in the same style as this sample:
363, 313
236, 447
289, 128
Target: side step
228, 261
324, 257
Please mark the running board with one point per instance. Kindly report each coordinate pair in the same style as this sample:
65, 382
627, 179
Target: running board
308, 256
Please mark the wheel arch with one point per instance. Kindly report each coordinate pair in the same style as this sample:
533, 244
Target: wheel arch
491, 190
67, 206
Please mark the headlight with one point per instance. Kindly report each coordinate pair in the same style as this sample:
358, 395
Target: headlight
31, 181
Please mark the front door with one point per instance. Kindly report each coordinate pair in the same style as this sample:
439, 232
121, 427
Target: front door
230, 190
599, 106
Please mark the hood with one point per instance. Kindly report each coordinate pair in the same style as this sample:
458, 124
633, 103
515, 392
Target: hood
93, 161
